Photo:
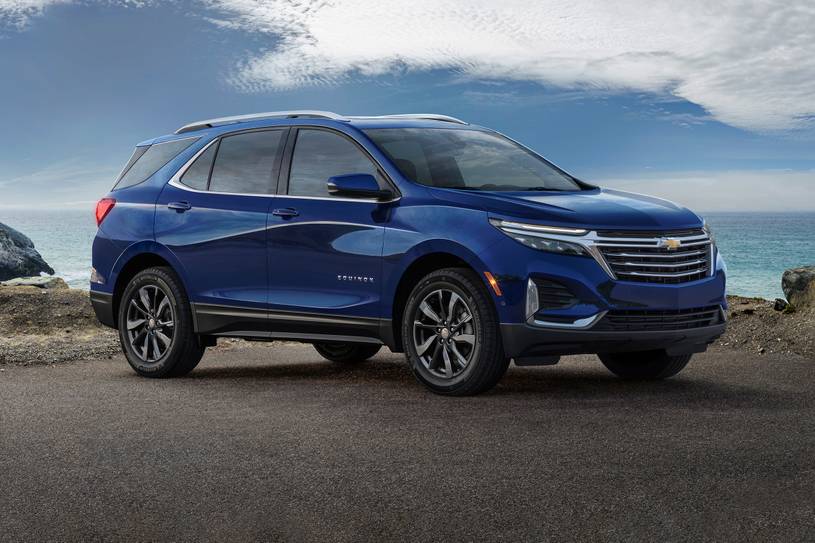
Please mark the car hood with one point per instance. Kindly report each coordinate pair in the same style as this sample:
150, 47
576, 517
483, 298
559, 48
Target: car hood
594, 208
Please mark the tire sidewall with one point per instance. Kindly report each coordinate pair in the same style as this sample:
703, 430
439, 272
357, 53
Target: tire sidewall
430, 283
170, 358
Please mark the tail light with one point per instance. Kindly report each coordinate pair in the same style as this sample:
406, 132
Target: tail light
103, 207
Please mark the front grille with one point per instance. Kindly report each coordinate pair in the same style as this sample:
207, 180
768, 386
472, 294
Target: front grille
647, 256
644, 320
553, 295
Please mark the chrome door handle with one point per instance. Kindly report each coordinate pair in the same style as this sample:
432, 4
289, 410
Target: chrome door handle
180, 207
285, 212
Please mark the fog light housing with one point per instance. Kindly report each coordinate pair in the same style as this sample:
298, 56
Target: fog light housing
532, 298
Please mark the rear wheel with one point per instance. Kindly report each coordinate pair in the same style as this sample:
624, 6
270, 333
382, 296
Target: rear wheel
644, 364
155, 325
451, 336
347, 353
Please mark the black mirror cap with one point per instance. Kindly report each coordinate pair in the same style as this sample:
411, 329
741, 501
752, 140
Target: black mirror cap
357, 185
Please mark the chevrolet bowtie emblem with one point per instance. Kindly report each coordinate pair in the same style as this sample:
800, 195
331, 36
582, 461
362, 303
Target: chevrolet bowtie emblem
672, 244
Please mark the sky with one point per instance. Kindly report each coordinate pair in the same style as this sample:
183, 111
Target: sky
711, 104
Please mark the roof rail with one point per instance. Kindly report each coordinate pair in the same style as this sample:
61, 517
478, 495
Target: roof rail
209, 123
417, 116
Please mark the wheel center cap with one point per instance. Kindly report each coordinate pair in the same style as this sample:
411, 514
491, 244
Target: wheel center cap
151, 323
445, 333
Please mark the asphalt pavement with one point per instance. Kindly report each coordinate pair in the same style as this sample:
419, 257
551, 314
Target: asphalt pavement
271, 443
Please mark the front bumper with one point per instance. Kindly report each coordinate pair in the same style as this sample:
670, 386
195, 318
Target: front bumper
529, 341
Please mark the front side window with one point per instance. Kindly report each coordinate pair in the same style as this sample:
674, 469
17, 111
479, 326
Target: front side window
146, 161
247, 163
319, 155
467, 159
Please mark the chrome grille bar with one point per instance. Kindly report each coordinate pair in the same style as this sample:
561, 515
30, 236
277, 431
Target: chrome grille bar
662, 258
654, 265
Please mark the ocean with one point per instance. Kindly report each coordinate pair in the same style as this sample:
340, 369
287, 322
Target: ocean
757, 247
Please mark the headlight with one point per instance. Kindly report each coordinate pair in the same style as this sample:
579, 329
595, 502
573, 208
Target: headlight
714, 251
709, 232
543, 238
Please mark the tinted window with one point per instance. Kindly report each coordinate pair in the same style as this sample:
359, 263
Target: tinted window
468, 159
318, 155
247, 163
197, 175
150, 161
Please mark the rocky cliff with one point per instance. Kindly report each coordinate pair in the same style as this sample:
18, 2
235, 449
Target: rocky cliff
18, 257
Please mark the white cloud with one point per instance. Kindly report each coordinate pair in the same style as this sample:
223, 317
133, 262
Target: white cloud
752, 190
18, 12
750, 64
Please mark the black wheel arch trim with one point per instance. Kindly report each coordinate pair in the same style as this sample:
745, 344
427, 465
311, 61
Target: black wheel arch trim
102, 303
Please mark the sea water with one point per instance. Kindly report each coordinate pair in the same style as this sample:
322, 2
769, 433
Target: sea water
757, 247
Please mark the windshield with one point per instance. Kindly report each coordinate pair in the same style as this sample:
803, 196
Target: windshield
467, 159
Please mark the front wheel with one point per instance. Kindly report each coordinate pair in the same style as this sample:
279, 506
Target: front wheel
451, 335
155, 325
347, 353
649, 365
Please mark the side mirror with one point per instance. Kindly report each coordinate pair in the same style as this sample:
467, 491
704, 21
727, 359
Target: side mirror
357, 185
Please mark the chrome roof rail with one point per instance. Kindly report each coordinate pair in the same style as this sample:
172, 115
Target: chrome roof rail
417, 116
306, 113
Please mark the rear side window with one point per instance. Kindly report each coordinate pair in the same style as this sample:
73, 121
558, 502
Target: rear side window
318, 155
197, 175
247, 163
145, 163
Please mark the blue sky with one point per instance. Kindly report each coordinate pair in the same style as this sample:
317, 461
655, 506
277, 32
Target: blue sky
637, 103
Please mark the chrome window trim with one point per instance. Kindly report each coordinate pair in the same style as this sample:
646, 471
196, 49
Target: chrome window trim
175, 181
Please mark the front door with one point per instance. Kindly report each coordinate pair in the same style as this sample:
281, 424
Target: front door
325, 252
213, 218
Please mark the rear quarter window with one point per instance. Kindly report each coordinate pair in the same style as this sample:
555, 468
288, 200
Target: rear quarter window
146, 161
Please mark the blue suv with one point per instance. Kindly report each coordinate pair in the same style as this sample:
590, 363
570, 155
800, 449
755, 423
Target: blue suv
443, 240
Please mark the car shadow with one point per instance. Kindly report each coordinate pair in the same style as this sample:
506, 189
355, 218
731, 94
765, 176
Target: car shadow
588, 383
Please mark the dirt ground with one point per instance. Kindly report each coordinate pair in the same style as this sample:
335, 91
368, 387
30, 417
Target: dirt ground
40, 326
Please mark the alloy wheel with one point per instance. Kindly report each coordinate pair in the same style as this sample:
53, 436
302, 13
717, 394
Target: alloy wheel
150, 323
444, 333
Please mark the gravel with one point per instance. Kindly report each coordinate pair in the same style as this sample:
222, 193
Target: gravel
756, 327
43, 326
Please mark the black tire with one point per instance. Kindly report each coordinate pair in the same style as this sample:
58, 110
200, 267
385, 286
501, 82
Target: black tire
347, 353
481, 364
185, 348
645, 365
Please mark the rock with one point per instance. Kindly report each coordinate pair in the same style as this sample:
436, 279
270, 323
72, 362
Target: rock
780, 304
18, 257
38, 281
798, 285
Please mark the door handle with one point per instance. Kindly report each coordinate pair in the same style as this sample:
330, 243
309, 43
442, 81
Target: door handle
286, 212
180, 207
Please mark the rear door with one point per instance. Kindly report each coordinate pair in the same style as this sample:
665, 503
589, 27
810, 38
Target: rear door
213, 217
325, 252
